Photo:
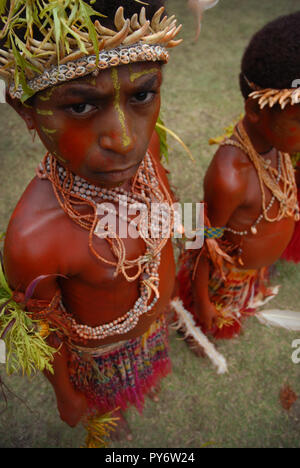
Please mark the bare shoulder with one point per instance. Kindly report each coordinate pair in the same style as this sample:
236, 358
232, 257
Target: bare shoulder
36, 209
228, 171
30, 247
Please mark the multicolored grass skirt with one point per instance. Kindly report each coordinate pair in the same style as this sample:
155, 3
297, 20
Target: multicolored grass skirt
235, 297
125, 375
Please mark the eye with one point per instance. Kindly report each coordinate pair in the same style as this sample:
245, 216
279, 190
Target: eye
144, 97
81, 109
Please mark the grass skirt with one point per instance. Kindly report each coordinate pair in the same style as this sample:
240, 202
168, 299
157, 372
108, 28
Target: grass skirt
124, 376
235, 297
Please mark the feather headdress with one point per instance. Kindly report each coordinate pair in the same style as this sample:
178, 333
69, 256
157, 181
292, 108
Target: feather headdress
73, 44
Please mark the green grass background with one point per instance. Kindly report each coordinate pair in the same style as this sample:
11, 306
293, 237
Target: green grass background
197, 406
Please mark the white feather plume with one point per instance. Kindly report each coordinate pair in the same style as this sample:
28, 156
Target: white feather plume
186, 321
287, 319
198, 7
256, 302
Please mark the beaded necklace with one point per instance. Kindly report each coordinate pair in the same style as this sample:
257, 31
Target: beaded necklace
147, 188
272, 179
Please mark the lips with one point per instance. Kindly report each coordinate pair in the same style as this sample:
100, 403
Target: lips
119, 171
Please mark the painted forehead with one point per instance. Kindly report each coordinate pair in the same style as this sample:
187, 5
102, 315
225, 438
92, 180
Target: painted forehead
134, 74
292, 110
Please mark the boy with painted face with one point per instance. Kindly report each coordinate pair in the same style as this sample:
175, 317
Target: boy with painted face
104, 292
250, 188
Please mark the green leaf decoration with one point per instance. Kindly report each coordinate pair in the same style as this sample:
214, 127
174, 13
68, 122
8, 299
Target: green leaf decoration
162, 134
60, 21
162, 128
27, 350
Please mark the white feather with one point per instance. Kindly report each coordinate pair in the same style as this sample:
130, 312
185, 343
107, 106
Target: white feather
202, 5
186, 320
287, 319
198, 7
207, 4
257, 302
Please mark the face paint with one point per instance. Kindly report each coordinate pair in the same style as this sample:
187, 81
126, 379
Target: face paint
44, 112
27, 105
75, 142
116, 84
46, 95
93, 81
136, 76
293, 140
48, 131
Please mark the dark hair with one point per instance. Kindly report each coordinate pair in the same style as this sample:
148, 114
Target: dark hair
272, 58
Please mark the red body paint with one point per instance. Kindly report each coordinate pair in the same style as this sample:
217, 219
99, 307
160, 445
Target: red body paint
293, 140
75, 142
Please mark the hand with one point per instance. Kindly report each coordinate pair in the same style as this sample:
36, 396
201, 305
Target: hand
72, 407
207, 314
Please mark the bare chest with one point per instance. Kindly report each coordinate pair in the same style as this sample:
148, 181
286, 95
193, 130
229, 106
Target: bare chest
261, 226
98, 292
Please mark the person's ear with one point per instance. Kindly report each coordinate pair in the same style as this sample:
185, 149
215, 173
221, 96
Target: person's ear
252, 110
24, 110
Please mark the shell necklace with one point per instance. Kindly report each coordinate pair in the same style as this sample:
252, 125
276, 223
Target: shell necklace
147, 188
281, 182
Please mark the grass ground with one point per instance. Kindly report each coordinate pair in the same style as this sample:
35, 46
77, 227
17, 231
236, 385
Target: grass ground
197, 406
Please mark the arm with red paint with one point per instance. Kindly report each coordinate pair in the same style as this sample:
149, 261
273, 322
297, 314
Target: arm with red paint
23, 263
223, 194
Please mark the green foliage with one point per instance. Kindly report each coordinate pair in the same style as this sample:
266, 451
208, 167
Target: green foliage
27, 350
60, 21
162, 134
295, 159
197, 406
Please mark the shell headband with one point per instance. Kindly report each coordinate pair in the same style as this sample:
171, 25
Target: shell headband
270, 97
74, 45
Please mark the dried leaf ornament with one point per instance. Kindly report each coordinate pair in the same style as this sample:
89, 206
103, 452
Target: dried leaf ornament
287, 397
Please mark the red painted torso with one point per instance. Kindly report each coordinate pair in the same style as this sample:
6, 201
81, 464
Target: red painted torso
53, 243
265, 247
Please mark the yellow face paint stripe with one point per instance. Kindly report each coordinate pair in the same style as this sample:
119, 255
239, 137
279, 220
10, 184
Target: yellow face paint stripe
116, 84
136, 76
93, 81
46, 95
48, 130
44, 112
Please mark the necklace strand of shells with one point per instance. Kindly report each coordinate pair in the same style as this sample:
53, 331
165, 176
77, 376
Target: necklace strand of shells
147, 188
281, 182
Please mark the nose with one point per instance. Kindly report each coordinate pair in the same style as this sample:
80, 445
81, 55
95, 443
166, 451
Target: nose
118, 135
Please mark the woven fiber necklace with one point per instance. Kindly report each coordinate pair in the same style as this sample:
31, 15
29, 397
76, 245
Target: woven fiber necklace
281, 182
147, 188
